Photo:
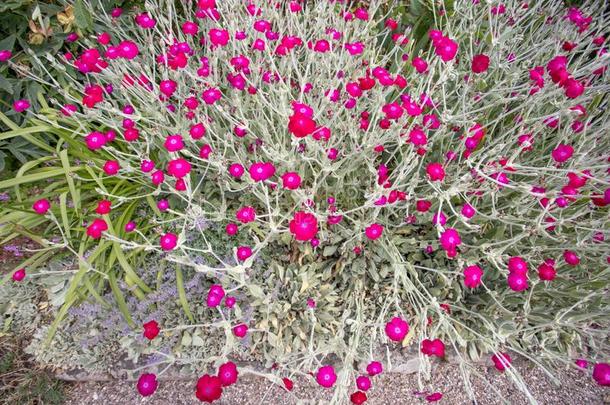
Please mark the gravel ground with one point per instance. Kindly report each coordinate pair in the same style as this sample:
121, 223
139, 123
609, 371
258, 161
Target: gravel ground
575, 388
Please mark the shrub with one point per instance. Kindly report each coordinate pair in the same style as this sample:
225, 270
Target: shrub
339, 195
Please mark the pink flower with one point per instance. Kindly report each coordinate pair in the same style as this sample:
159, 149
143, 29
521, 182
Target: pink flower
435, 396
168, 87
396, 329
174, 143
246, 214
601, 374
562, 153
468, 211
571, 258
358, 398
103, 207
151, 330
215, 295
219, 37
41, 206
517, 264
147, 384
450, 239
326, 376
21, 105
373, 231
168, 241
582, 363
261, 171
5, 54
472, 276
178, 168
446, 48
435, 171
363, 383
291, 180
374, 368
517, 281
128, 50
244, 252
240, 330
231, 229
208, 389
546, 272
236, 170
227, 373
433, 347
303, 226
301, 125
96, 228
573, 88
147, 166
480, 63
501, 361
18, 275
95, 140
419, 64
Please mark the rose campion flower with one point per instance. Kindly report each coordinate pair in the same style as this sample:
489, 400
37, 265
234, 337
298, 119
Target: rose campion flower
168, 241
433, 348
435, 396
472, 276
300, 125
358, 398
178, 168
147, 384
480, 63
326, 376
303, 226
240, 330
227, 373
246, 214
517, 264
601, 374
546, 272
151, 330
396, 329
291, 180
41, 206
562, 153
103, 207
517, 281
571, 258
21, 105
18, 275
501, 361
374, 368
209, 388
243, 252
373, 231
261, 171
435, 171
215, 295
97, 227
363, 383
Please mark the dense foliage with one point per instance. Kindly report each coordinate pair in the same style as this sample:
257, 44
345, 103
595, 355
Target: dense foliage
340, 182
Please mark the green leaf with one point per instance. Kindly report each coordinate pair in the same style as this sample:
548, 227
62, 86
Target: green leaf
120, 299
82, 16
186, 339
63, 155
182, 294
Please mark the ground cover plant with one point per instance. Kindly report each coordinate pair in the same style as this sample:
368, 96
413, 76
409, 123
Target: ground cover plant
345, 187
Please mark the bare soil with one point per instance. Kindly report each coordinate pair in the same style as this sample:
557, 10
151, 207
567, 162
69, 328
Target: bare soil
575, 388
